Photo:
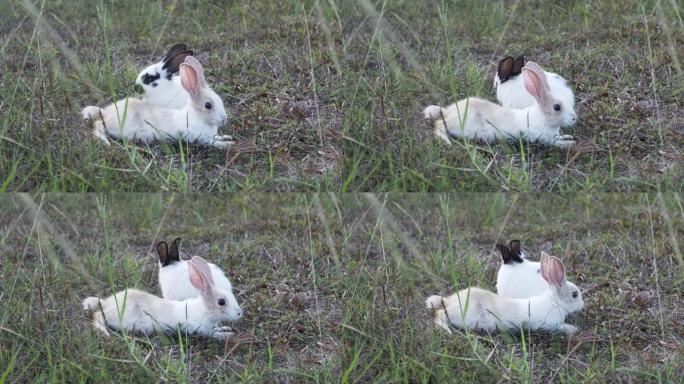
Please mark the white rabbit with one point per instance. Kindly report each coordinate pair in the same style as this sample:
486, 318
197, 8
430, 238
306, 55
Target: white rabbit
481, 120
137, 120
511, 92
141, 312
161, 84
173, 274
518, 277
478, 309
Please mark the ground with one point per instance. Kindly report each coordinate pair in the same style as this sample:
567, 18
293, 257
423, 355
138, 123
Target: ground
333, 286
328, 95
268, 61
59, 249
624, 253
623, 59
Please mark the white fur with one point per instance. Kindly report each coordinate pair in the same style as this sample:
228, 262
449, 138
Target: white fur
165, 91
136, 120
141, 312
481, 120
478, 309
174, 279
175, 283
512, 93
520, 280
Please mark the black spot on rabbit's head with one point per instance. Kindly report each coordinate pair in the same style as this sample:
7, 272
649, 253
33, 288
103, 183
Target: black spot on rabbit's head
148, 78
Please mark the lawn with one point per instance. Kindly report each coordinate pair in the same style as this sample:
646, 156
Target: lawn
268, 60
622, 58
624, 253
59, 249
332, 286
327, 95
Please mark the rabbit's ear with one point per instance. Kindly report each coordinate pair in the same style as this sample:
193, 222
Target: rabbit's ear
515, 250
552, 270
557, 271
505, 253
518, 65
510, 255
535, 82
173, 61
189, 80
163, 251
203, 266
198, 279
176, 49
505, 68
544, 262
194, 63
174, 254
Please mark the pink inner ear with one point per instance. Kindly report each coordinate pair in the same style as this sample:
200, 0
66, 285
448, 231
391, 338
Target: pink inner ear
189, 79
557, 272
532, 83
196, 278
545, 268
203, 267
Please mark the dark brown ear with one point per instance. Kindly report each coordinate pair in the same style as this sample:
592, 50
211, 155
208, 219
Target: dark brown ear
172, 64
176, 49
163, 251
505, 253
515, 249
505, 68
174, 255
518, 65
510, 255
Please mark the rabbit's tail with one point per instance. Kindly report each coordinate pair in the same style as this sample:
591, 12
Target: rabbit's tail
432, 112
434, 302
91, 303
91, 112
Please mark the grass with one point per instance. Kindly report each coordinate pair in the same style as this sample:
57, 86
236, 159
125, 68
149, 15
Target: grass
327, 95
332, 286
622, 59
59, 249
269, 61
623, 251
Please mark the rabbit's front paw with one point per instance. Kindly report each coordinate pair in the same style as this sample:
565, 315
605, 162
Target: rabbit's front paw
222, 335
568, 329
223, 141
564, 141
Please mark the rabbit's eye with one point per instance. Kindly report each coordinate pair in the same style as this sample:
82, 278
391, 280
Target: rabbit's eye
207, 105
221, 302
556, 107
574, 295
